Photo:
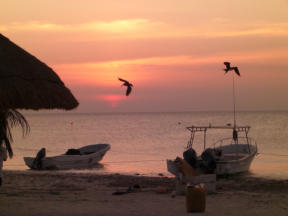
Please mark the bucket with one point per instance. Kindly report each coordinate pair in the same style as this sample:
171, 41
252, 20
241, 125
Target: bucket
195, 199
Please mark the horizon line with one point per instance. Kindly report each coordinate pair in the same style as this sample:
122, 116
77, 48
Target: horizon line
143, 112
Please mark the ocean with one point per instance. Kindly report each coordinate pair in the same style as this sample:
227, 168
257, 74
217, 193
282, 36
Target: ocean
141, 142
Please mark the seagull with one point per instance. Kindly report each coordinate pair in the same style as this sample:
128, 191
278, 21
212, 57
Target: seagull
128, 84
228, 68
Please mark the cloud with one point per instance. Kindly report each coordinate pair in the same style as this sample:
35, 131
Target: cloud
145, 28
173, 69
32, 26
118, 25
131, 26
280, 29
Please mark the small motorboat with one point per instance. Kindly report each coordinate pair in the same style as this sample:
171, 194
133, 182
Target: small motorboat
82, 158
226, 156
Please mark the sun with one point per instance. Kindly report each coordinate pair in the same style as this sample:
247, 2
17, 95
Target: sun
112, 99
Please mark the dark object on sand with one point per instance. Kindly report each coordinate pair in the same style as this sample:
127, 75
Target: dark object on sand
128, 84
37, 163
120, 192
135, 188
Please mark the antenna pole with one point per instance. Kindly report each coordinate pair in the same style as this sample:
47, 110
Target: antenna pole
234, 102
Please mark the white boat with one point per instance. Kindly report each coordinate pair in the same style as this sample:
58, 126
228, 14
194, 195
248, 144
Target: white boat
82, 158
226, 156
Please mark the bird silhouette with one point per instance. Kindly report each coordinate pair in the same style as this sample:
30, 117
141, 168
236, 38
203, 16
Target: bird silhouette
229, 68
128, 84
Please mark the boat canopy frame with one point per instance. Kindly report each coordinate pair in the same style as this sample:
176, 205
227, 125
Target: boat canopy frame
194, 129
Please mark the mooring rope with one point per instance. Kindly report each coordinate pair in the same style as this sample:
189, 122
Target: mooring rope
160, 160
108, 162
272, 154
135, 153
136, 161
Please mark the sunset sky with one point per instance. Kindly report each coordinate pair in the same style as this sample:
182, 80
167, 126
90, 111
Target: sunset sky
172, 51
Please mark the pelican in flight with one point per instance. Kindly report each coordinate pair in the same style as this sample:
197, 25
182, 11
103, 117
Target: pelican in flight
229, 68
128, 84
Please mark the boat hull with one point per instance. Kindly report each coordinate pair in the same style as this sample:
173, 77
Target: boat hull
235, 159
240, 164
83, 161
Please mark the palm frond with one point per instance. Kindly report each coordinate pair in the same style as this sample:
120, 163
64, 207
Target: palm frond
9, 119
15, 118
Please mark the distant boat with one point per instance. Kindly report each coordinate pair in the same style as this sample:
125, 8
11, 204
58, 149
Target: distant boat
226, 156
82, 158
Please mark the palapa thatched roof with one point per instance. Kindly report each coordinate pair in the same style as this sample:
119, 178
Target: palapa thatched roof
28, 83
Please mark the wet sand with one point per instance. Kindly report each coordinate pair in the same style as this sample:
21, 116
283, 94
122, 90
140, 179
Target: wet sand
62, 193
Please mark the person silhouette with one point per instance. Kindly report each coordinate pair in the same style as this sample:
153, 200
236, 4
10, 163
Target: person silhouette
3, 157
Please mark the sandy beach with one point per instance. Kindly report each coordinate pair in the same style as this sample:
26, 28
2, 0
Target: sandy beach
65, 193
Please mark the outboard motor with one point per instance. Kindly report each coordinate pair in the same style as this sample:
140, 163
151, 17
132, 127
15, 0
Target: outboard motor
209, 160
37, 163
190, 156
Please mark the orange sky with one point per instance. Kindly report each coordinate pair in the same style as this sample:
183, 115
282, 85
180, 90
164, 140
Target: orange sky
172, 51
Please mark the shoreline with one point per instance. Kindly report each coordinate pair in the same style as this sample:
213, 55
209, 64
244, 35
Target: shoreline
66, 193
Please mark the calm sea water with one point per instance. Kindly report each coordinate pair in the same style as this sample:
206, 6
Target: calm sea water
141, 142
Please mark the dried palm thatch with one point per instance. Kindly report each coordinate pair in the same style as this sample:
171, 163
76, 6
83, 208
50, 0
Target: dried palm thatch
28, 83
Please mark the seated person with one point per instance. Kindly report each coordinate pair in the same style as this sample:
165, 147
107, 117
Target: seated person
184, 168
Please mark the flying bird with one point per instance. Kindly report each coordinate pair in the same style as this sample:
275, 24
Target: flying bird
128, 84
229, 68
